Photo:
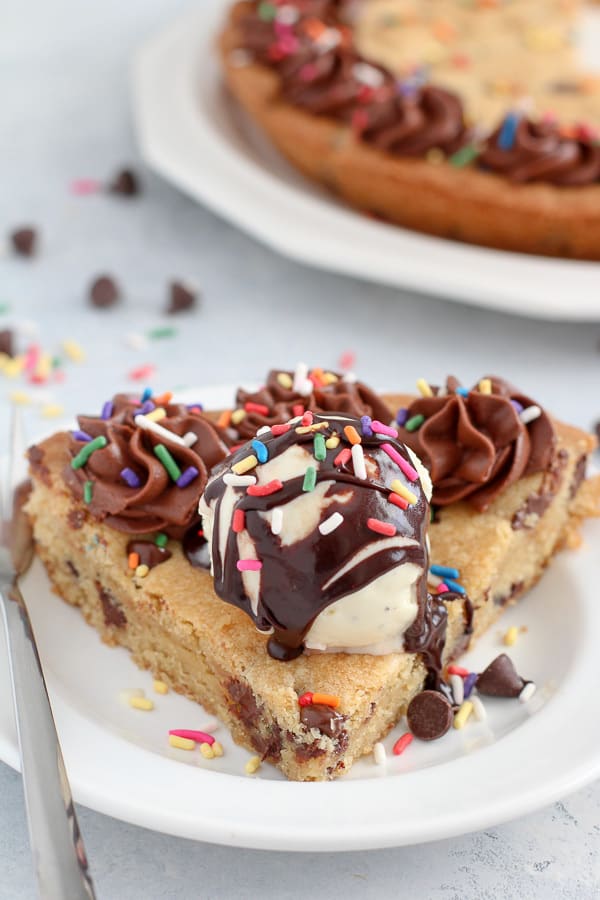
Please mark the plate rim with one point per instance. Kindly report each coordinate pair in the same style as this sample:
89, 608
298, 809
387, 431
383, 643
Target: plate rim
531, 285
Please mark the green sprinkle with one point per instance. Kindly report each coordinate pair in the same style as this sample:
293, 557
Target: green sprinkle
310, 479
266, 12
56, 362
413, 423
86, 451
168, 462
464, 156
320, 450
156, 334
161, 539
4, 308
88, 490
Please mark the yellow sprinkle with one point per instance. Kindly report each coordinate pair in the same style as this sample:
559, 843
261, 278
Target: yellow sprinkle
142, 571
424, 388
181, 743
332, 442
245, 464
14, 367
307, 429
286, 381
160, 687
485, 386
460, 719
398, 488
330, 378
217, 749
435, 156
207, 751
511, 636
4, 359
238, 415
52, 410
252, 766
141, 703
73, 351
157, 414
20, 398
44, 365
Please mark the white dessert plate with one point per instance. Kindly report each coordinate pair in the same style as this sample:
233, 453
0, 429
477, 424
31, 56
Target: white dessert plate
522, 757
190, 132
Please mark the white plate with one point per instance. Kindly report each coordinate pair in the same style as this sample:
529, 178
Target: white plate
191, 133
523, 757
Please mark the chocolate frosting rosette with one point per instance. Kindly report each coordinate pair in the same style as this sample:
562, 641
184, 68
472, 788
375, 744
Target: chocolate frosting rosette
142, 465
477, 442
287, 394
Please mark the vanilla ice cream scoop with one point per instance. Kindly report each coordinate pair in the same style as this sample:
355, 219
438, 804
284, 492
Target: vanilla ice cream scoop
317, 530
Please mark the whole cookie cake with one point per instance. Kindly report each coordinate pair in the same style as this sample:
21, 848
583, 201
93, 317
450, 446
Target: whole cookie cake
473, 121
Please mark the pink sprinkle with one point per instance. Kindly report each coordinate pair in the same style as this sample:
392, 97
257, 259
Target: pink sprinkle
200, 736
249, 565
58, 376
279, 429
347, 360
343, 457
81, 187
298, 409
32, 355
402, 743
380, 428
142, 372
442, 588
380, 527
308, 72
406, 467
307, 418
239, 521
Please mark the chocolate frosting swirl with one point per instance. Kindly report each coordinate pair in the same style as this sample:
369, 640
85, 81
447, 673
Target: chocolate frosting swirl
353, 398
321, 71
476, 446
301, 579
540, 152
157, 504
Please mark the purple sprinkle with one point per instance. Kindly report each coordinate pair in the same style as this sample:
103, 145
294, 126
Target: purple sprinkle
130, 477
517, 406
402, 416
107, 410
187, 477
81, 436
366, 426
469, 684
194, 406
146, 407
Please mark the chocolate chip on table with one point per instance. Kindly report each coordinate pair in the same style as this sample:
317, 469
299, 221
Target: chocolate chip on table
500, 679
24, 241
6, 342
429, 715
181, 298
125, 183
104, 292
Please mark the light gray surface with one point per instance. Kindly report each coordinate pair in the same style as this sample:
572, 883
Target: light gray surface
65, 114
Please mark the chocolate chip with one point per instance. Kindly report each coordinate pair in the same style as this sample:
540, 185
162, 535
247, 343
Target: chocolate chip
181, 298
500, 679
23, 241
323, 718
429, 715
6, 342
150, 554
125, 183
113, 614
104, 292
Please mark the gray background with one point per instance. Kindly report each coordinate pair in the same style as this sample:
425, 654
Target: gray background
65, 114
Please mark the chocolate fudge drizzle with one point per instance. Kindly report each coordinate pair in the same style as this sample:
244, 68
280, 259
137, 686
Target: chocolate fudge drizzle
297, 582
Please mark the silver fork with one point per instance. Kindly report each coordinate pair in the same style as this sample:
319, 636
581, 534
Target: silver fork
59, 855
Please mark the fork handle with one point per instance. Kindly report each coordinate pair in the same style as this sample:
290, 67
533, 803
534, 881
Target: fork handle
59, 855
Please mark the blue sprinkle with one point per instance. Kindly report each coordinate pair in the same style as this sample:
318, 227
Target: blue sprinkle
366, 426
517, 406
402, 416
187, 477
464, 392
107, 410
262, 453
508, 132
81, 436
199, 406
469, 684
130, 477
146, 407
147, 394
444, 572
454, 586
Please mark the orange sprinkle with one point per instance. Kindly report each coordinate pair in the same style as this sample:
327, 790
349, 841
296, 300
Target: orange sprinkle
163, 399
134, 560
326, 700
314, 28
224, 419
352, 434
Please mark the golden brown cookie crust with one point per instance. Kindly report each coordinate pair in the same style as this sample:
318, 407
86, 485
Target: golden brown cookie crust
438, 199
